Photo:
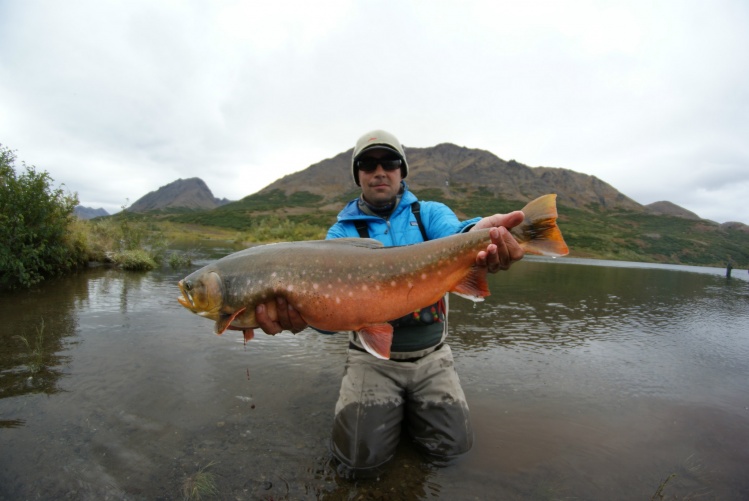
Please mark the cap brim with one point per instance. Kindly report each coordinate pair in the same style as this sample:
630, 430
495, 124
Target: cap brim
379, 147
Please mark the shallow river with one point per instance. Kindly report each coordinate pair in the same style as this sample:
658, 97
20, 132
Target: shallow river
586, 380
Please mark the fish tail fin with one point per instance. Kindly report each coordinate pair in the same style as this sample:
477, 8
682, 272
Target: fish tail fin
377, 339
474, 286
539, 233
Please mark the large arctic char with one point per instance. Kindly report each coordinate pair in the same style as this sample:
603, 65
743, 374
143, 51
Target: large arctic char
357, 284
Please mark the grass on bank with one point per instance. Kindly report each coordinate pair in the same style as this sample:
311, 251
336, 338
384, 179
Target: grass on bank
200, 485
126, 241
34, 349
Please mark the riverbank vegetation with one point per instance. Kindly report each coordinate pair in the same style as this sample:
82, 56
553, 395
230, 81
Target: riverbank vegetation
34, 222
40, 237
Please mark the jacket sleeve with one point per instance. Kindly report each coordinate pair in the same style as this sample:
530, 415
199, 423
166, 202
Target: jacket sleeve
336, 231
440, 221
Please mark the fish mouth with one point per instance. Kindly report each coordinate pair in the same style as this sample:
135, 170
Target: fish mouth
186, 299
202, 296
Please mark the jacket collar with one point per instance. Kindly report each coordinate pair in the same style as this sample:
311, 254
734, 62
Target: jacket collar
352, 210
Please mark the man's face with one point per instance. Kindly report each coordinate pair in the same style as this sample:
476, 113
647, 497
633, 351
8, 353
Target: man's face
380, 186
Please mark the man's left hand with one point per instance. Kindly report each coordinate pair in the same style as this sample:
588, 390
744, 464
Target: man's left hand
504, 249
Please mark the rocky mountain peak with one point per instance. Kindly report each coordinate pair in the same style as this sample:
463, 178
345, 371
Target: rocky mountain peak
190, 193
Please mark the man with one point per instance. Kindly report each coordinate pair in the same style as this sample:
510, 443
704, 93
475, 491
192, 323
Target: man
418, 386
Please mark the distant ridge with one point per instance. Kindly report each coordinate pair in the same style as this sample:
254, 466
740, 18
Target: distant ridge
88, 213
665, 208
190, 193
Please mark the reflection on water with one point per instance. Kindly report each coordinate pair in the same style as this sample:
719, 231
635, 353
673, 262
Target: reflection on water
36, 329
584, 381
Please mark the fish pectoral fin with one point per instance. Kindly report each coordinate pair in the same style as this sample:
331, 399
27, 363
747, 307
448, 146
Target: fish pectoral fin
474, 286
377, 339
225, 321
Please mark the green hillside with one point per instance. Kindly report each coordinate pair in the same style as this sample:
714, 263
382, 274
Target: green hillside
590, 232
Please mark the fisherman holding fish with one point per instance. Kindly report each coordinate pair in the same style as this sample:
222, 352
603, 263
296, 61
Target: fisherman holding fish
418, 385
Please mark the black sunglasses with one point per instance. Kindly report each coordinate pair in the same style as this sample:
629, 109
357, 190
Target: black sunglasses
369, 164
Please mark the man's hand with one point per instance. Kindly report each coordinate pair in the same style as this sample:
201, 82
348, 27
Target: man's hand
277, 315
504, 249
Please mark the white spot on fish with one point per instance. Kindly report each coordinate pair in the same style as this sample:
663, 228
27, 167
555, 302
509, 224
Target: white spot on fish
364, 287
338, 300
392, 283
423, 276
273, 274
315, 286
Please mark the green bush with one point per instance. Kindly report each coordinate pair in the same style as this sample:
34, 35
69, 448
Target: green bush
180, 260
135, 260
34, 221
124, 239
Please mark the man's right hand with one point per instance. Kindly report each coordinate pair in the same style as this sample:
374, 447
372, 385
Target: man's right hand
277, 315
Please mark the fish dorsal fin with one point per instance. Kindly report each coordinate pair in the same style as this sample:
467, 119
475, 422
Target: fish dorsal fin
369, 243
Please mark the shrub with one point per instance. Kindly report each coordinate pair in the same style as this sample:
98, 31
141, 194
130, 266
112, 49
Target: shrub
180, 260
135, 260
34, 221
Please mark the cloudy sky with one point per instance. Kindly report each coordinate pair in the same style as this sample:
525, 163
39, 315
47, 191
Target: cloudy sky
115, 99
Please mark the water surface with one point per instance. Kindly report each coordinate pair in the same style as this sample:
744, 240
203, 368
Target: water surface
586, 380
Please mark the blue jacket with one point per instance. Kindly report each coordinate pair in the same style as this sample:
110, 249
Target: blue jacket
401, 228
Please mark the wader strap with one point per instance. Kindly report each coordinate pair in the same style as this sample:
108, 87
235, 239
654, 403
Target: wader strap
416, 211
361, 226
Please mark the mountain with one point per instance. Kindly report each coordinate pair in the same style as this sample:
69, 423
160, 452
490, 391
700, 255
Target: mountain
190, 193
664, 208
597, 220
453, 172
89, 213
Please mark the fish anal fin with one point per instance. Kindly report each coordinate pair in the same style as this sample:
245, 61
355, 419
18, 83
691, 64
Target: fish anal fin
248, 334
474, 286
225, 321
376, 339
